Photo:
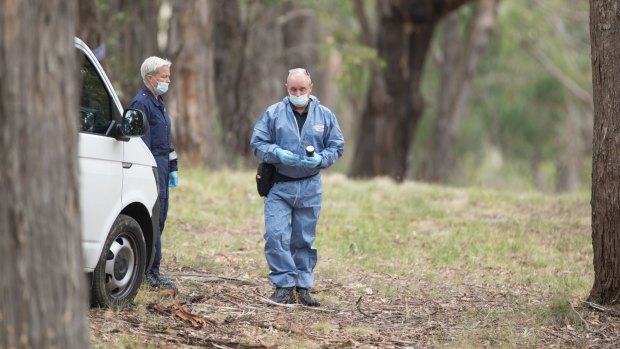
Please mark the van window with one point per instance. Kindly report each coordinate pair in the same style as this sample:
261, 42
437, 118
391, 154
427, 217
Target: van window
95, 101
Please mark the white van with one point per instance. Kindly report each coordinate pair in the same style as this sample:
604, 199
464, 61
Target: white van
119, 196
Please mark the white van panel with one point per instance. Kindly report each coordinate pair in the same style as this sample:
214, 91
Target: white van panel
136, 152
101, 177
138, 180
139, 186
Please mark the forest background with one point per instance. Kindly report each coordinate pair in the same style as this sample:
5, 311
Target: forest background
504, 86
461, 92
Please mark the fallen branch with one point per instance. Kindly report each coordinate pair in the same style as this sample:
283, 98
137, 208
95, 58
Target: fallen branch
213, 278
269, 301
603, 309
196, 321
358, 304
585, 323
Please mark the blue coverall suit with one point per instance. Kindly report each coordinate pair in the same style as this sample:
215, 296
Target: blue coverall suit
158, 140
292, 208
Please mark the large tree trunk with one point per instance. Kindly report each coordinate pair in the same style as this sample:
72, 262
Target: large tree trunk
605, 41
461, 55
395, 104
191, 100
44, 300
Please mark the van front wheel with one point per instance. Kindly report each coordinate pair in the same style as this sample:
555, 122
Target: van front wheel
120, 269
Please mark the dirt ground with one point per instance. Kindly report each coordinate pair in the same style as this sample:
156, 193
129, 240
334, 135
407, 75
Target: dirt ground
213, 311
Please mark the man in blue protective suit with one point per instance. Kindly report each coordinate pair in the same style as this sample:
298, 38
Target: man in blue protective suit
292, 206
155, 73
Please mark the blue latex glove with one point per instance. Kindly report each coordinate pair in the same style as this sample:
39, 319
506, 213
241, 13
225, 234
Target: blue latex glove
312, 161
287, 157
173, 180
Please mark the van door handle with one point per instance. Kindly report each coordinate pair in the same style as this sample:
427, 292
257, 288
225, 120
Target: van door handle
127, 164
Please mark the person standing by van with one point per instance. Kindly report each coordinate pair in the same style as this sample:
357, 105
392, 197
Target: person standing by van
155, 73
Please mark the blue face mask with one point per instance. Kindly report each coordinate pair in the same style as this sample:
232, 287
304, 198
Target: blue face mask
298, 101
162, 87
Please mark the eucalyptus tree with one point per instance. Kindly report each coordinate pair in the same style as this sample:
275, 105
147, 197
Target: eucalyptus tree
605, 201
88, 26
248, 68
44, 299
528, 120
255, 44
461, 51
394, 102
192, 94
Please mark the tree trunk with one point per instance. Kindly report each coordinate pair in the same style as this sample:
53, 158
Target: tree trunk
458, 67
301, 41
44, 299
249, 69
230, 66
395, 104
605, 41
131, 36
191, 102
88, 23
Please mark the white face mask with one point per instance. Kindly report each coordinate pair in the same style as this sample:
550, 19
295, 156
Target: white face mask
298, 101
162, 87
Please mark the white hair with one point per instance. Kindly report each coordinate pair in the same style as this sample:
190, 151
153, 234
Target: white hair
151, 65
299, 71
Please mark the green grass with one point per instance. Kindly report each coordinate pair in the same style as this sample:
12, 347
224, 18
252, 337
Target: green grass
528, 250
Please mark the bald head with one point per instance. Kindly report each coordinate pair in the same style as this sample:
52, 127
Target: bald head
299, 74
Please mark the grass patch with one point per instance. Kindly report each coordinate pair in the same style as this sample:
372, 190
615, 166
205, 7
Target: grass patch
430, 266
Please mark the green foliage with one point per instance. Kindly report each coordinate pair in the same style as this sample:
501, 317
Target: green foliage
517, 107
343, 38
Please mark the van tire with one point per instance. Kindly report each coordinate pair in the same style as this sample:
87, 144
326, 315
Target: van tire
121, 266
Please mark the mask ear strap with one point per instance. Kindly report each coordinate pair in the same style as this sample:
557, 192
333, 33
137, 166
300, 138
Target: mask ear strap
154, 87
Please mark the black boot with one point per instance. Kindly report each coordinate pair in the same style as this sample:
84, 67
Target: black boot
282, 295
160, 281
305, 298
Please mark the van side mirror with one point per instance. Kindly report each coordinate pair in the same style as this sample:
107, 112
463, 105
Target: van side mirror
133, 124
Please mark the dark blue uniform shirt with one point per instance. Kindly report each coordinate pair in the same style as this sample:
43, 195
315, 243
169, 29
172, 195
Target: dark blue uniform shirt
158, 138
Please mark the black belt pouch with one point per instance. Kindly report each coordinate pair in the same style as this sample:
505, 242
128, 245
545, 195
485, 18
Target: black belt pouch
265, 176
